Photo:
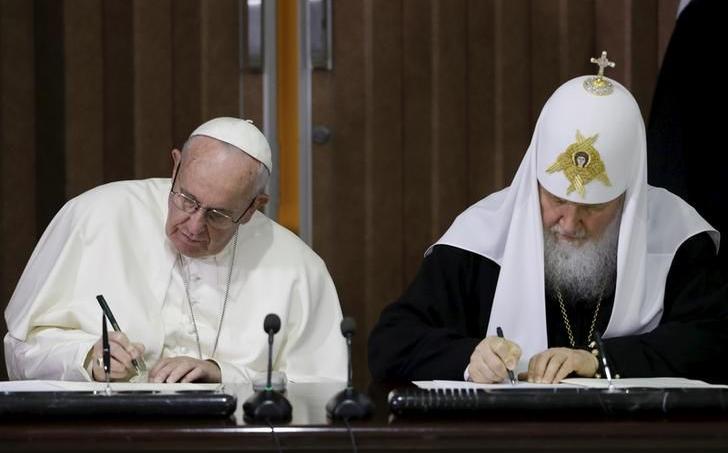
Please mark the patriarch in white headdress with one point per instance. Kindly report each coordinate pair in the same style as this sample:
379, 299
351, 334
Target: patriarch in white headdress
588, 148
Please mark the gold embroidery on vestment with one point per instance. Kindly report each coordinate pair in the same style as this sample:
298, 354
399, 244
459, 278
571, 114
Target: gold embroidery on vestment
581, 164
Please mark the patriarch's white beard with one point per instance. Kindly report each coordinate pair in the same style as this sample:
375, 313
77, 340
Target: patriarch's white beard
585, 271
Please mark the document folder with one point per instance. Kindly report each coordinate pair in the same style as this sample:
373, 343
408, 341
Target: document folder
183, 403
417, 401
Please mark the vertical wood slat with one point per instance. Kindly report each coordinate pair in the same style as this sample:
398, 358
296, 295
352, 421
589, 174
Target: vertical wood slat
251, 79
384, 167
18, 157
348, 121
666, 17
118, 90
449, 120
83, 52
153, 115
322, 154
417, 130
612, 30
629, 27
547, 44
644, 45
513, 94
483, 168
220, 53
562, 42
50, 133
187, 72
578, 39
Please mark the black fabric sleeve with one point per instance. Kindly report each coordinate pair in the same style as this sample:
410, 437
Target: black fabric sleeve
692, 338
431, 331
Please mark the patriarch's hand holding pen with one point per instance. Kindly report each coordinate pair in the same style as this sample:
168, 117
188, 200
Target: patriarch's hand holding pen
492, 358
122, 353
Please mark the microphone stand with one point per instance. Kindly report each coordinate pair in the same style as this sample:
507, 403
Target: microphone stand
349, 403
267, 405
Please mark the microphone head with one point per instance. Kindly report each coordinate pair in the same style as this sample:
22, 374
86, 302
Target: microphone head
348, 326
272, 323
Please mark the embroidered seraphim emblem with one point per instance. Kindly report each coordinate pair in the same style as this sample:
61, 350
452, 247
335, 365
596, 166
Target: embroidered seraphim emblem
581, 164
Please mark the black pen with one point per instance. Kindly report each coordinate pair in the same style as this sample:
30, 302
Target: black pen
106, 352
115, 325
603, 354
106, 349
511, 376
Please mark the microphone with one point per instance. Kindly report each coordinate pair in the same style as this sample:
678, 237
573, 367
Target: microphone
271, 325
268, 405
349, 403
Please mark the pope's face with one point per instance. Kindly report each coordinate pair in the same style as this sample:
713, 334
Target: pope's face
576, 223
217, 177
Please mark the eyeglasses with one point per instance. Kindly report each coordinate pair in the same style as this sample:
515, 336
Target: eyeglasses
214, 217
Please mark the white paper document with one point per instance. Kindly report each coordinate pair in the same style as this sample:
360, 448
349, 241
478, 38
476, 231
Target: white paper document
657, 383
660, 382
473, 385
71, 386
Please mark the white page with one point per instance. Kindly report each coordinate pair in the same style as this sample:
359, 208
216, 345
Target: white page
472, 385
658, 382
61, 386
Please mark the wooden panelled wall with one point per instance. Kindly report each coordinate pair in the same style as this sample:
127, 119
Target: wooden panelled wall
93, 91
431, 104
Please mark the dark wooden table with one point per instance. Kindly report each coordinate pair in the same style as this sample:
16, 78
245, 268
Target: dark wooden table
311, 431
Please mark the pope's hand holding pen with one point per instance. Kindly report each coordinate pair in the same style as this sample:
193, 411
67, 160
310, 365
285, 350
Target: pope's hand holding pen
122, 353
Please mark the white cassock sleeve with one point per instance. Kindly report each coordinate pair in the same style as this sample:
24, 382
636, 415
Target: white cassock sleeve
106, 241
46, 340
314, 348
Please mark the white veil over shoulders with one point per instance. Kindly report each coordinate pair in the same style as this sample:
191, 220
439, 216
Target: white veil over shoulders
506, 226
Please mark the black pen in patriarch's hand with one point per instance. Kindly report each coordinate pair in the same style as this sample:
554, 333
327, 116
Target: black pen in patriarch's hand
603, 356
107, 311
511, 376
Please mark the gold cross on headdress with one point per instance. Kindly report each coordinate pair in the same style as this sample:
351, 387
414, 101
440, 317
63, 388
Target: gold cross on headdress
599, 85
603, 63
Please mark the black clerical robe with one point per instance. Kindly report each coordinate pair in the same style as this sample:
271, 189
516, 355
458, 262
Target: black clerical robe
431, 331
684, 139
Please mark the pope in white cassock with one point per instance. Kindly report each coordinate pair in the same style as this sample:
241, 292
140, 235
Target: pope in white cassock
189, 268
